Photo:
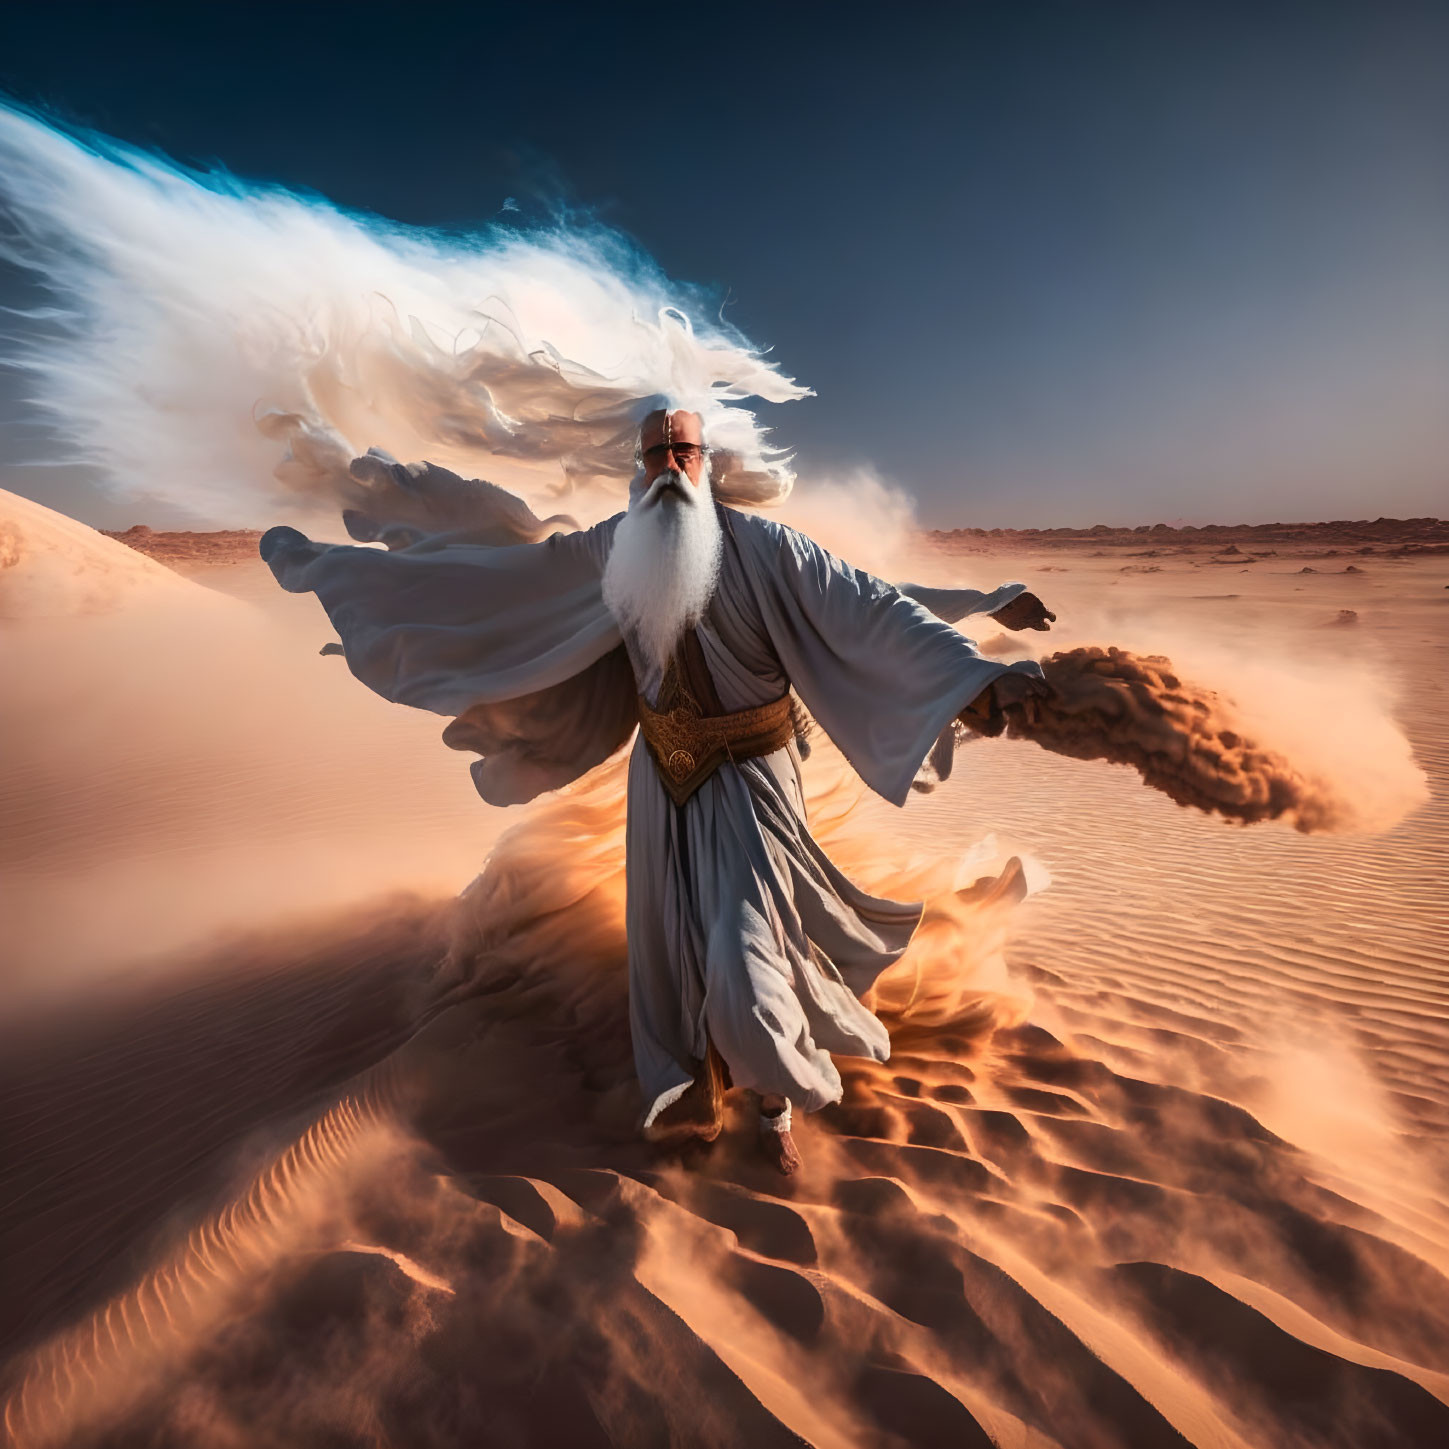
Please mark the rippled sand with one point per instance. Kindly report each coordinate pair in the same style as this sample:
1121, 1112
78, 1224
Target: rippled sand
294, 1156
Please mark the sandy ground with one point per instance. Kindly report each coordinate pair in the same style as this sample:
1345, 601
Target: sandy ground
303, 1146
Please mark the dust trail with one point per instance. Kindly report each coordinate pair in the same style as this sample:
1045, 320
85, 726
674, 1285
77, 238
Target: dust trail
1187, 741
524, 1042
994, 1236
548, 908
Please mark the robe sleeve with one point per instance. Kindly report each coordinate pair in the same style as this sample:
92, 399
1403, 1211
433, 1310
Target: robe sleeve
515, 641
399, 504
883, 675
954, 604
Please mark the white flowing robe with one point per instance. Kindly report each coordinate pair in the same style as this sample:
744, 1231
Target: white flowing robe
740, 929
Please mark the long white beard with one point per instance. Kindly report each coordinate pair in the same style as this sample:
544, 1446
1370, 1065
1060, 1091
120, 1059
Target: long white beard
664, 564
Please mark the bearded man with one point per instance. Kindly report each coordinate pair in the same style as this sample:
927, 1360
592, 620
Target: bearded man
749, 952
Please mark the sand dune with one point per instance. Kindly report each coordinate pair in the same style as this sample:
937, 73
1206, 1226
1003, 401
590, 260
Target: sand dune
1158, 1158
182, 762
53, 567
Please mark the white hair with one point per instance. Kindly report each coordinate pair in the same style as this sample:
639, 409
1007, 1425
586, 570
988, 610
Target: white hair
227, 348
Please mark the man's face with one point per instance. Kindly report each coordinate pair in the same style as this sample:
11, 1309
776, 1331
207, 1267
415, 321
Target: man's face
673, 441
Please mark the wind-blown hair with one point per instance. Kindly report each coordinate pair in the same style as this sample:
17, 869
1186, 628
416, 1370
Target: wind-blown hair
228, 347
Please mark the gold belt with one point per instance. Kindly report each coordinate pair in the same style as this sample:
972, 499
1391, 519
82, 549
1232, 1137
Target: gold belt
689, 746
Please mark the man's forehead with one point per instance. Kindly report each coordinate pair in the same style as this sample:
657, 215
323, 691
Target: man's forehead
675, 427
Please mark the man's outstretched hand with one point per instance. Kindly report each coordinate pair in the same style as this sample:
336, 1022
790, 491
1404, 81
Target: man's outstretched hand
1008, 694
1025, 611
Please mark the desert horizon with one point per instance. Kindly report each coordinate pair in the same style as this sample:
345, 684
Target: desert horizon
1392, 535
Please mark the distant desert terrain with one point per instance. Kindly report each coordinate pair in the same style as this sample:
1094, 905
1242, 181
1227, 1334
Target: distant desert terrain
319, 1131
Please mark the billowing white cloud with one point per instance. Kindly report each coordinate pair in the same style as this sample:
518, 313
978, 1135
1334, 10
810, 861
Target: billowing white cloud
225, 347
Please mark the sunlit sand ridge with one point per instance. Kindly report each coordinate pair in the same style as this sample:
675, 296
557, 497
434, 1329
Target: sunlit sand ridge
1158, 1157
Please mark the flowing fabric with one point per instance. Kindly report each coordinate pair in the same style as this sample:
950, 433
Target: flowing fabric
474, 612
740, 929
953, 604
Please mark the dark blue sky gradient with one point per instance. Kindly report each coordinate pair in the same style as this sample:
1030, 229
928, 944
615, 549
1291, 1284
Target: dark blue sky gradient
1044, 263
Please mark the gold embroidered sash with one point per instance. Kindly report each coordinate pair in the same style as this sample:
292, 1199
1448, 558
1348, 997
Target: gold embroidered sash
689, 742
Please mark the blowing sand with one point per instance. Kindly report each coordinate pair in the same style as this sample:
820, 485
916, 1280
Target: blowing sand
310, 1137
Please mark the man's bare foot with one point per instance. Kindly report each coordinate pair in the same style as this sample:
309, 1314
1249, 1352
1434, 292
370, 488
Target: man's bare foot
699, 1112
779, 1150
777, 1146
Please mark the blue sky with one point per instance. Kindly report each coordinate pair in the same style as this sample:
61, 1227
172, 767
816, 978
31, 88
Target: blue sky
1043, 263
